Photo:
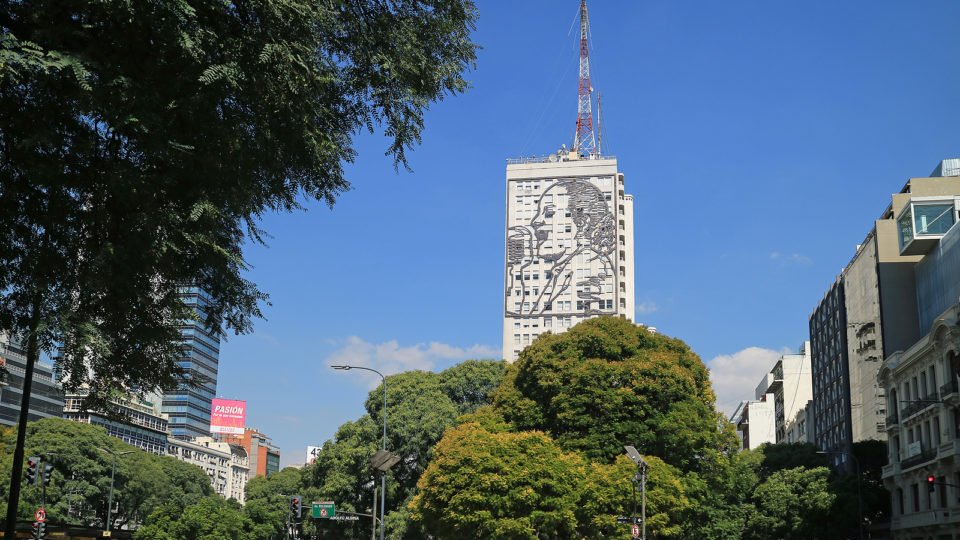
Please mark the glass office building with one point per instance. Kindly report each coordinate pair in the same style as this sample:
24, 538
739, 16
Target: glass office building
46, 398
188, 408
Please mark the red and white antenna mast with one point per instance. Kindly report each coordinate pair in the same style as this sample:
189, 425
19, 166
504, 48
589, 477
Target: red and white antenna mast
585, 142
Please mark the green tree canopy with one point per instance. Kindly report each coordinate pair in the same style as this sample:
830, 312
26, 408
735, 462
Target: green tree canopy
80, 482
793, 503
211, 518
607, 383
508, 485
267, 501
489, 481
470, 383
421, 405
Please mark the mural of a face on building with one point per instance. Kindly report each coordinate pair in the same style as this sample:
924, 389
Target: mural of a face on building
588, 233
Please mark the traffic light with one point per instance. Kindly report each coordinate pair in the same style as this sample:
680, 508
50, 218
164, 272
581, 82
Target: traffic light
32, 463
930, 481
47, 469
296, 506
39, 530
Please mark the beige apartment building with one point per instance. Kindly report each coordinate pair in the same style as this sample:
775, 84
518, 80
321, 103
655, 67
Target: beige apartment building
569, 245
227, 465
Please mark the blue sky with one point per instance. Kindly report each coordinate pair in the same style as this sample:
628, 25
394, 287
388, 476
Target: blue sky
759, 139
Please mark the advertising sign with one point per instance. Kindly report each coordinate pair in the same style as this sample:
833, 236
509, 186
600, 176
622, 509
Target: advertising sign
312, 453
228, 416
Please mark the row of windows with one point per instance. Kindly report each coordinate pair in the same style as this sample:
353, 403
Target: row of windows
548, 322
922, 500
583, 290
563, 305
581, 273
534, 185
925, 436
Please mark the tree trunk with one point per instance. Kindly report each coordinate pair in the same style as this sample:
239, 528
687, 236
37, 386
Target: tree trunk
13, 501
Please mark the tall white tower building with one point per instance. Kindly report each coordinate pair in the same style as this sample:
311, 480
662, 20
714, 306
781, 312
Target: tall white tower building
569, 245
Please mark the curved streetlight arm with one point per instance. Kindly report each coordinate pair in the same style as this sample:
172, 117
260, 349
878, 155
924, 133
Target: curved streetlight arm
383, 475
348, 368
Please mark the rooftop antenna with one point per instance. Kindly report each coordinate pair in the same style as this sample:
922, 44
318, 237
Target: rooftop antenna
599, 125
585, 141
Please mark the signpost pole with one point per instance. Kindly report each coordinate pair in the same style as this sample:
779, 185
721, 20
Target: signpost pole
373, 514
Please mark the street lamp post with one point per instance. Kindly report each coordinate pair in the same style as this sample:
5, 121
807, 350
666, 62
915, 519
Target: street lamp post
640, 477
113, 473
856, 463
383, 474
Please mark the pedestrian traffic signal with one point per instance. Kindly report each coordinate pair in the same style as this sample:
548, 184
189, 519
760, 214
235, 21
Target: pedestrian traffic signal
930, 482
296, 506
32, 464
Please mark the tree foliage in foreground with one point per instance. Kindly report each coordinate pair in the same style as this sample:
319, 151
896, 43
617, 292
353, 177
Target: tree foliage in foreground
142, 140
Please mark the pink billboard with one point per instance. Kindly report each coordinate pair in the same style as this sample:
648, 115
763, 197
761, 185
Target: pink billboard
228, 416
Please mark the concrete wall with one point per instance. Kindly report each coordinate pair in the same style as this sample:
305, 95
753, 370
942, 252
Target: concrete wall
898, 298
797, 388
865, 338
762, 424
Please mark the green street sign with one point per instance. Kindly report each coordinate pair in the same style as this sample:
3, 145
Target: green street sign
324, 509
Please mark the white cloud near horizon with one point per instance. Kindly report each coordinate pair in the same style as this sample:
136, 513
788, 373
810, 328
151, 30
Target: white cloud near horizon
735, 376
390, 358
646, 307
794, 258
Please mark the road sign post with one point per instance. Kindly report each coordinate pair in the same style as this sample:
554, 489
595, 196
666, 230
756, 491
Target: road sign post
324, 509
635, 530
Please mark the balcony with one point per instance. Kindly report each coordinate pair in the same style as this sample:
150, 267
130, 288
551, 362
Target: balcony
923, 222
924, 456
892, 421
949, 389
915, 406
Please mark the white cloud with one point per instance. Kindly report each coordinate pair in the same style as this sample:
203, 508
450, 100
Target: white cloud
389, 357
646, 307
735, 376
793, 258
